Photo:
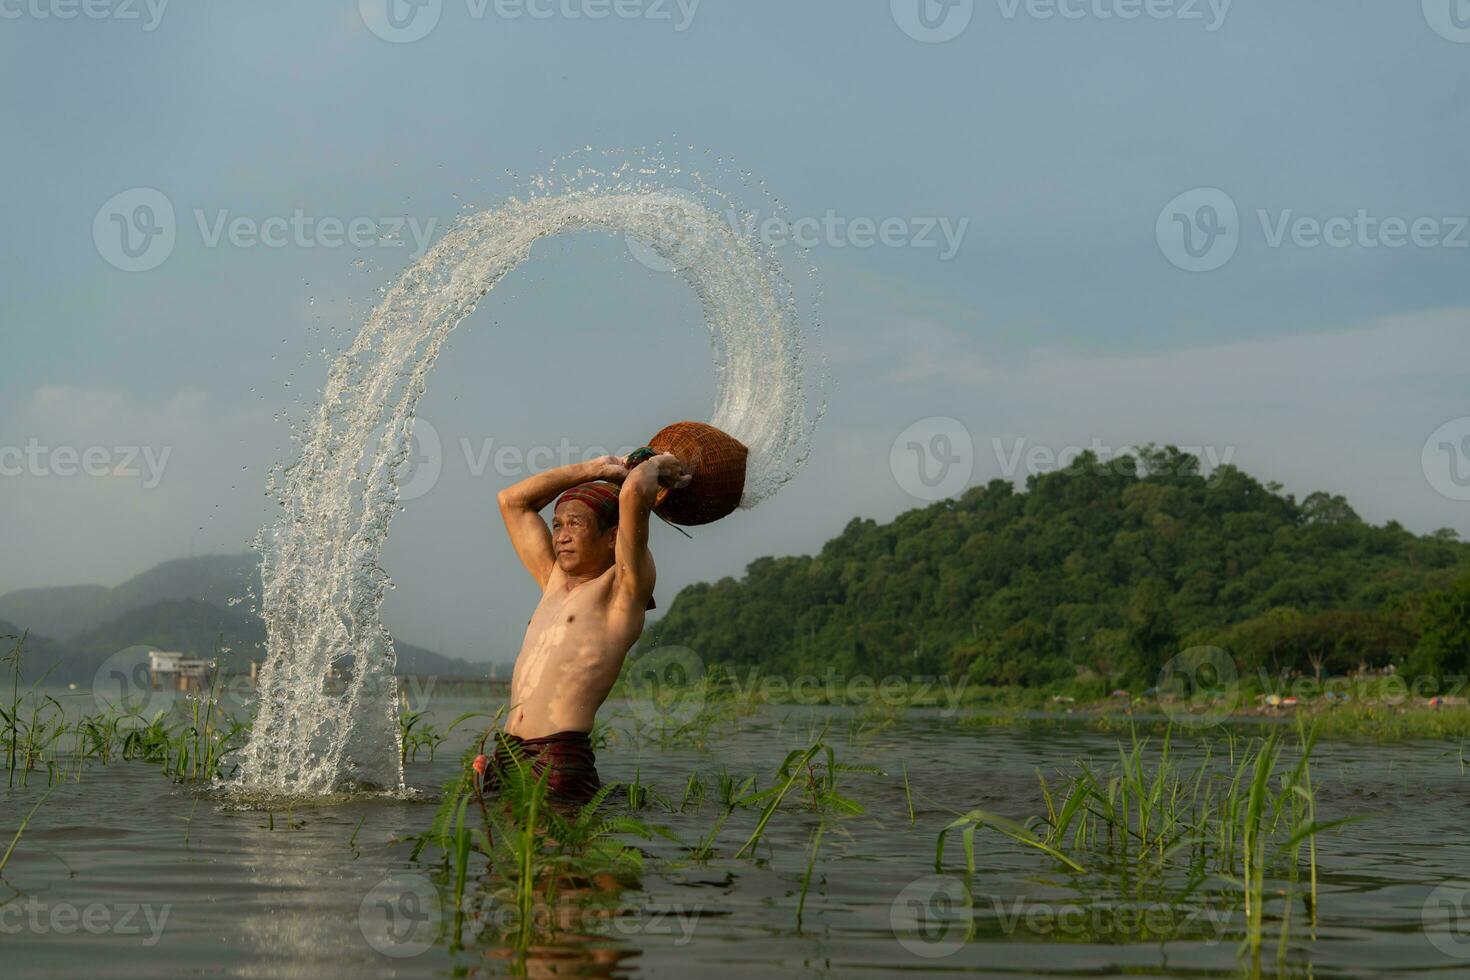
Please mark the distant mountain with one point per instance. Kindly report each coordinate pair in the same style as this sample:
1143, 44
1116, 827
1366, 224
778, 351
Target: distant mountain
179, 605
52, 612
195, 627
37, 655
71, 611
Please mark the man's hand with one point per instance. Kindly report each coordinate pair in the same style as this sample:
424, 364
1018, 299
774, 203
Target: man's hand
610, 468
661, 471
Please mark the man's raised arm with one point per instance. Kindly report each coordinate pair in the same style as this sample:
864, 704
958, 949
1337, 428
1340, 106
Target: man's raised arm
635, 565
522, 503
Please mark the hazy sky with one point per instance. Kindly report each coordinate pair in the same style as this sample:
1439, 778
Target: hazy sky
1234, 226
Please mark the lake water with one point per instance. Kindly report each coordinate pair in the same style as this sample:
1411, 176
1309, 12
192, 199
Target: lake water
123, 874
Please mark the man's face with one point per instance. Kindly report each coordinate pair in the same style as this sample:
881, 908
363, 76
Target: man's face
579, 546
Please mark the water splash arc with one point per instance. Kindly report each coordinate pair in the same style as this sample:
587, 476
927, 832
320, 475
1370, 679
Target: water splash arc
322, 580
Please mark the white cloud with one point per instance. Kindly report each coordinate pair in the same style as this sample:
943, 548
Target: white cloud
57, 412
1346, 410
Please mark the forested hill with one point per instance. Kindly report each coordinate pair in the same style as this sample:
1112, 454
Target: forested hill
1100, 572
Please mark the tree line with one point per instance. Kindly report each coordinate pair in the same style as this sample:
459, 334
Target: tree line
1096, 574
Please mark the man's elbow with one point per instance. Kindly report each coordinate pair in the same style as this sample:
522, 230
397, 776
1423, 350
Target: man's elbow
509, 502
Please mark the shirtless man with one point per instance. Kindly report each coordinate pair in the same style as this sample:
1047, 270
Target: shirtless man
597, 578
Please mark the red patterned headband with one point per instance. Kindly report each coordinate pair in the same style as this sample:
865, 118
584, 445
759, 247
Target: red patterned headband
601, 497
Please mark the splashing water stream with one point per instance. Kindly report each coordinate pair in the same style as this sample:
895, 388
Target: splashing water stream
321, 575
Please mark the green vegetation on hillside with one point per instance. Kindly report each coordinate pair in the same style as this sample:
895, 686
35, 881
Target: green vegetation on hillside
1102, 571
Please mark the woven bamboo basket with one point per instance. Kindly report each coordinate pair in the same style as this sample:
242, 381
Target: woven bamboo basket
716, 461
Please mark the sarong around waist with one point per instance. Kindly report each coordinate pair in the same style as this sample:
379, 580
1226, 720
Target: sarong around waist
567, 756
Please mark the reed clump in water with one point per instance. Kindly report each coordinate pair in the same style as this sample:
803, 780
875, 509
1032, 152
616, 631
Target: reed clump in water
193, 745
1239, 829
810, 778
530, 850
34, 723
416, 734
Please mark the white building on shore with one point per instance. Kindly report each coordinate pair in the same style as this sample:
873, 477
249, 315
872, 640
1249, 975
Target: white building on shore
177, 671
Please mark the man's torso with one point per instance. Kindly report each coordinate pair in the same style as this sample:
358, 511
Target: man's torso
573, 651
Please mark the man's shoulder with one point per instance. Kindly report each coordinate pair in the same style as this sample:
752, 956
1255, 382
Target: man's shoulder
557, 581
